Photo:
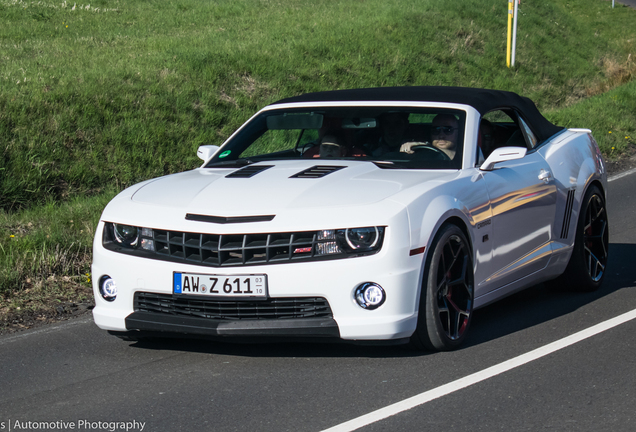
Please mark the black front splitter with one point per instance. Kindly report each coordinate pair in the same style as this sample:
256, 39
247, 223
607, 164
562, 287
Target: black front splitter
184, 325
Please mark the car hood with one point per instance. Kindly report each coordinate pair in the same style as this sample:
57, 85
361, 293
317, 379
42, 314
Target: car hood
269, 187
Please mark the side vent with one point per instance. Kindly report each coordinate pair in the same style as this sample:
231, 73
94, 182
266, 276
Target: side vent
568, 214
248, 171
317, 171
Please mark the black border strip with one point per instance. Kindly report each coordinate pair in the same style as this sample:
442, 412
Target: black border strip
307, 327
228, 219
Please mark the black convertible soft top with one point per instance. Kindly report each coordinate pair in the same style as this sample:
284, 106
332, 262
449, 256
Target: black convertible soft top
482, 100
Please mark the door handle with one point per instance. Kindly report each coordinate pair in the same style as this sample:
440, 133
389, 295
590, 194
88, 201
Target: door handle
546, 176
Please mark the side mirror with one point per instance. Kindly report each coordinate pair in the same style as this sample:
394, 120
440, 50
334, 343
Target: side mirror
502, 154
205, 152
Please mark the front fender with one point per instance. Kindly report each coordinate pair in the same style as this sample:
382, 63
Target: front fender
438, 211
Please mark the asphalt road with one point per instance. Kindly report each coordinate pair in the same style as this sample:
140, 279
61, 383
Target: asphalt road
75, 373
631, 3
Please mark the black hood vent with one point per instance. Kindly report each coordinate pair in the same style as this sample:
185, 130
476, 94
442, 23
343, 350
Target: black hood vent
318, 171
248, 171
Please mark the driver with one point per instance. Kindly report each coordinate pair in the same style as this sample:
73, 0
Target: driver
332, 146
444, 133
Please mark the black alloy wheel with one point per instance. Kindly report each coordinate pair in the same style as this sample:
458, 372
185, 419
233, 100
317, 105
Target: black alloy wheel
446, 302
586, 270
595, 238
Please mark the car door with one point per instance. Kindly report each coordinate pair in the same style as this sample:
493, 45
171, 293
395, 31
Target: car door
523, 202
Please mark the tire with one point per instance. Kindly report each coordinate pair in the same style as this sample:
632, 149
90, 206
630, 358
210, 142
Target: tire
586, 269
447, 293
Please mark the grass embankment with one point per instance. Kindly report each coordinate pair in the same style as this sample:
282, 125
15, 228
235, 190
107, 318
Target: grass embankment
611, 116
45, 257
97, 97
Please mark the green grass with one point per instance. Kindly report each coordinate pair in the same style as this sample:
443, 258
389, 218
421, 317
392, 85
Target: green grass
53, 239
611, 116
96, 98
45, 255
124, 91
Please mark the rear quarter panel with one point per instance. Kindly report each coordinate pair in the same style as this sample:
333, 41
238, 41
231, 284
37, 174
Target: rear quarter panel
576, 162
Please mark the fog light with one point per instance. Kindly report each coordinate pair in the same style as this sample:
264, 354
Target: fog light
369, 295
107, 288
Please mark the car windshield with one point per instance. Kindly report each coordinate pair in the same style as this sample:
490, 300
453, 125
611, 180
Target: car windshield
411, 138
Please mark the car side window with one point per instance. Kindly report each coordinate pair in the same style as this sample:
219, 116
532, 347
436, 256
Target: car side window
530, 137
501, 128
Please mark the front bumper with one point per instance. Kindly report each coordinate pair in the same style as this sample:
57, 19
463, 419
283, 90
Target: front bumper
393, 268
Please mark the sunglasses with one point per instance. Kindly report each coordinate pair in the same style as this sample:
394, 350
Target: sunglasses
446, 129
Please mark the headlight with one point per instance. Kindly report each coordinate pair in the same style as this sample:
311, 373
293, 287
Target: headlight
126, 235
129, 237
327, 243
349, 241
362, 239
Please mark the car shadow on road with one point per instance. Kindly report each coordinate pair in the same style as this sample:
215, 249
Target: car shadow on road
302, 349
542, 303
525, 309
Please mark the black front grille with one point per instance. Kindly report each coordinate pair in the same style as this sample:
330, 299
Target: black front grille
200, 307
224, 250
232, 250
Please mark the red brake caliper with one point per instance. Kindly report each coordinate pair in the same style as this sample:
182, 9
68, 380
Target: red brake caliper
588, 232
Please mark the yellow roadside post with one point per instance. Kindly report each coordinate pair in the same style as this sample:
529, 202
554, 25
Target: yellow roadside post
509, 44
512, 31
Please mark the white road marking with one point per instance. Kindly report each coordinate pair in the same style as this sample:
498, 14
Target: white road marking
623, 174
47, 329
485, 374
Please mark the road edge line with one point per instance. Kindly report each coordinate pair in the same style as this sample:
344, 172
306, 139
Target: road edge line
621, 175
46, 329
482, 375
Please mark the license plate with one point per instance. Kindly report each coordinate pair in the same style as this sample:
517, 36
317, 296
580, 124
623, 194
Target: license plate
249, 286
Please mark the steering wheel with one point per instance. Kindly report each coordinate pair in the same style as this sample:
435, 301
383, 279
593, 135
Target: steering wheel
431, 151
303, 148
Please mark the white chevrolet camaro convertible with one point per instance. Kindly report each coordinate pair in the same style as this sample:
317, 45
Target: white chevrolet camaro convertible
383, 215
